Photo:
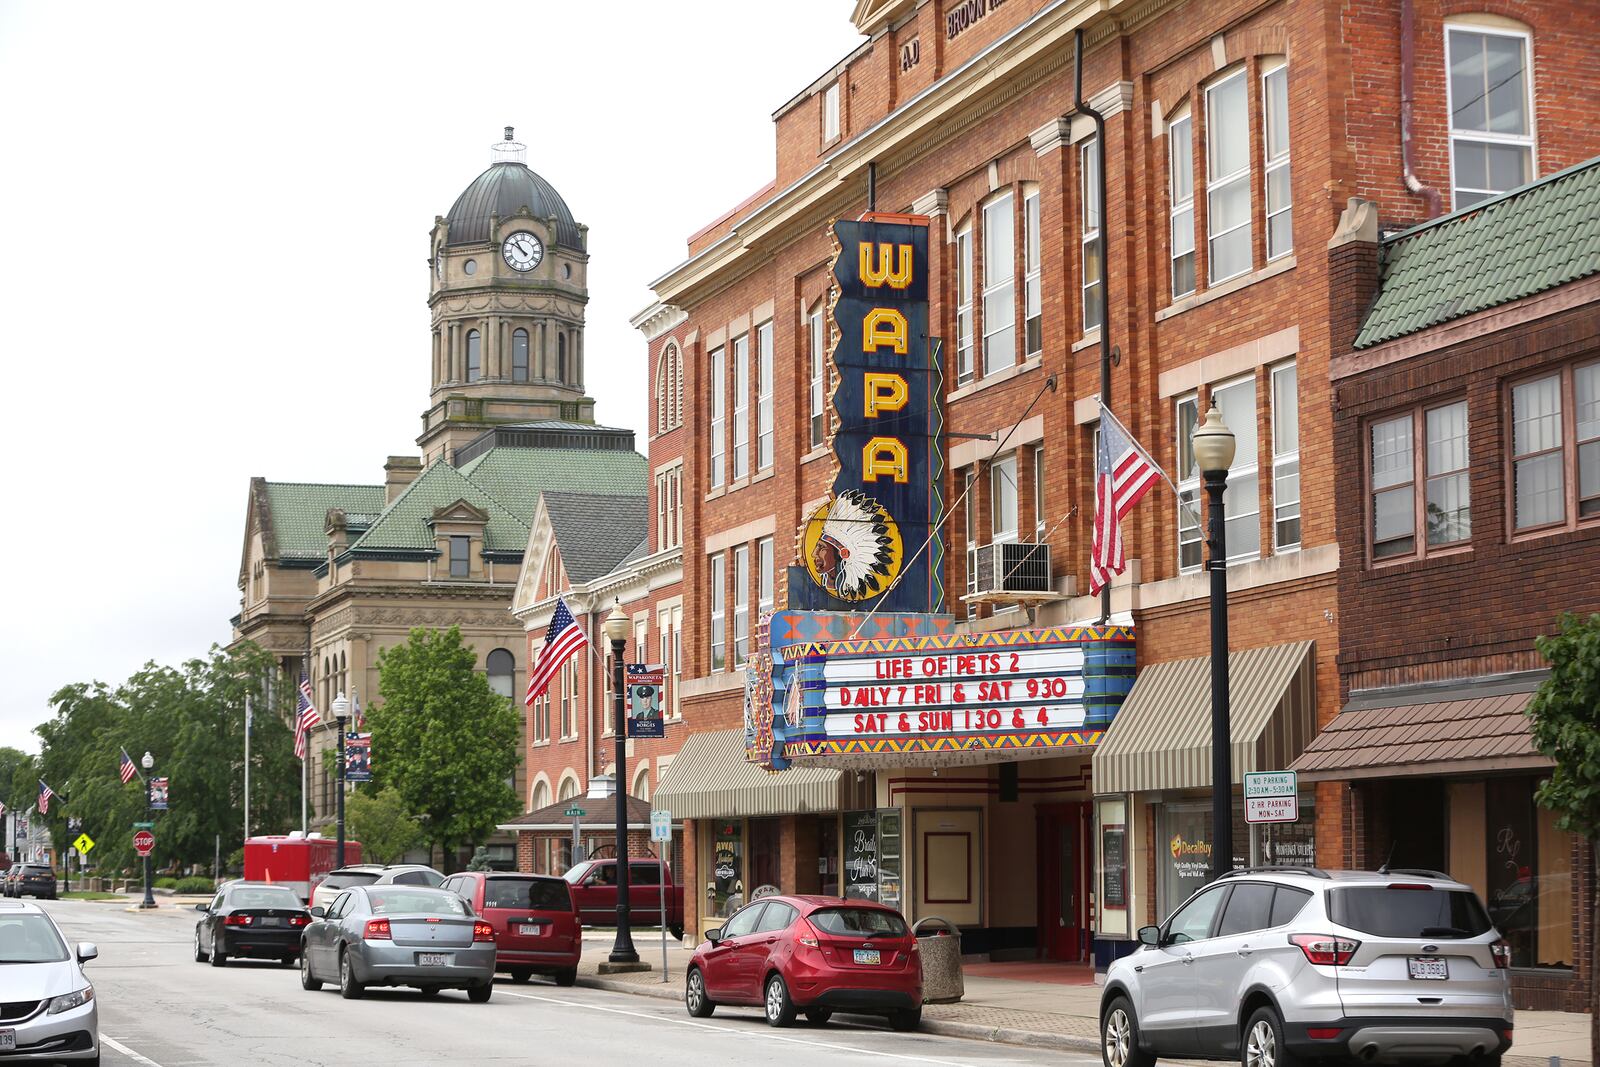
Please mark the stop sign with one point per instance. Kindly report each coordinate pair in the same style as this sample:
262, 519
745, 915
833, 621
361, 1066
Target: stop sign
144, 842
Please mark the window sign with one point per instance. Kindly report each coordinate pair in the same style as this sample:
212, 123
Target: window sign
861, 855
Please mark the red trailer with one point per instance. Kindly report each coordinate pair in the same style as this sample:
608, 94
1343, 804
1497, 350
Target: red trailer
301, 863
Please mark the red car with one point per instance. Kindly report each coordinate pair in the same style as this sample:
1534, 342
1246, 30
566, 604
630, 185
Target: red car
815, 955
535, 922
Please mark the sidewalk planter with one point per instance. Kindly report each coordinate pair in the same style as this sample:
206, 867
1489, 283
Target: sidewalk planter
942, 980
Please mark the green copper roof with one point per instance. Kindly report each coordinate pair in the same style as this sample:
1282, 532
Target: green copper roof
1515, 245
404, 524
516, 476
299, 513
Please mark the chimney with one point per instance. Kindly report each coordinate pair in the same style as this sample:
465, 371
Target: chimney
399, 472
1355, 269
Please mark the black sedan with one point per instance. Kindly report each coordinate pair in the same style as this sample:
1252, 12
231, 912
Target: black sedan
250, 919
33, 880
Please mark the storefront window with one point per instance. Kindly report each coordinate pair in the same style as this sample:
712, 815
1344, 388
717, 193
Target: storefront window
764, 835
872, 856
1529, 874
828, 856
1183, 859
727, 864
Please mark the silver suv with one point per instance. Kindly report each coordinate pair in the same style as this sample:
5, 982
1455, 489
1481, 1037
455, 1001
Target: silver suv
1274, 965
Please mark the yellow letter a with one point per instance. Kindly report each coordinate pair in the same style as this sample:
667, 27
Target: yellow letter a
884, 326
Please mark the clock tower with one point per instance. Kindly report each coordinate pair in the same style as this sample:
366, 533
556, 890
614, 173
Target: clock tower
508, 281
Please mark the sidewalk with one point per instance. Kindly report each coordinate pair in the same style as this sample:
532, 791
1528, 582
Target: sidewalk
1042, 1005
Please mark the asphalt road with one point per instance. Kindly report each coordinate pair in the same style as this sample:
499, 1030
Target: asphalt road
158, 1008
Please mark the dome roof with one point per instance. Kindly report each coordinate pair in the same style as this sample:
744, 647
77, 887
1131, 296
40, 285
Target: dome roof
504, 190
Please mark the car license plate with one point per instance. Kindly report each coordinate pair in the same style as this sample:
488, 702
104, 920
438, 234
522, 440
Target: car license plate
433, 959
868, 955
271, 921
8, 1040
1427, 967
530, 929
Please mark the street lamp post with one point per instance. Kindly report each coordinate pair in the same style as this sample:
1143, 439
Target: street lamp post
617, 627
147, 761
341, 710
1213, 452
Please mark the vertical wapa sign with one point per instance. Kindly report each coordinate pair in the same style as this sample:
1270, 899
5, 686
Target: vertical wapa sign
864, 548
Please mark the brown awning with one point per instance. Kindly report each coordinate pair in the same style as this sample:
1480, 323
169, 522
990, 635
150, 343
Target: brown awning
1433, 729
1161, 737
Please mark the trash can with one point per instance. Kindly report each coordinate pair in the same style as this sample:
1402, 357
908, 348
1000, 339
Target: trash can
940, 949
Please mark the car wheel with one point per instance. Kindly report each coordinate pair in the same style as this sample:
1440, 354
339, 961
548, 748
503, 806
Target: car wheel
906, 1021
307, 979
780, 1009
199, 954
694, 995
818, 1016
479, 994
520, 975
1119, 1037
1263, 1041
218, 957
567, 976
349, 988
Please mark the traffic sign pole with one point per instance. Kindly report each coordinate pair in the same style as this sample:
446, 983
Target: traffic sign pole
661, 832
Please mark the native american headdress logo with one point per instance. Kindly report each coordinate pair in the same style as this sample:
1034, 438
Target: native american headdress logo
852, 547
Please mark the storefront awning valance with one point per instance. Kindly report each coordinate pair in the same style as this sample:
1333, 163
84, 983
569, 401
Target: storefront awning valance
711, 779
1428, 729
1161, 739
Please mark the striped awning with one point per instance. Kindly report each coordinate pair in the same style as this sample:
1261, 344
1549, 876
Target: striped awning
1161, 738
711, 778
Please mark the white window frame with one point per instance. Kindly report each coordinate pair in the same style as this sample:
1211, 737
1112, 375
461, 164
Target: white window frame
719, 636
965, 366
1245, 465
766, 577
719, 423
830, 113
741, 407
1040, 517
764, 442
741, 604
1001, 294
1273, 163
816, 329
970, 499
1032, 273
1530, 140
1003, 527
1187, 472
1093, 303
1218, 183
1285, 462
1181, 201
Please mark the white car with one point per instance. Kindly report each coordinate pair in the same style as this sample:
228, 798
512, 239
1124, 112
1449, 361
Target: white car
341, 879
47, 1008
410, 874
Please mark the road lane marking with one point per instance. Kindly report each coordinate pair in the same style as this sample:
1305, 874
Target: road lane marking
128, 1052
732, 1030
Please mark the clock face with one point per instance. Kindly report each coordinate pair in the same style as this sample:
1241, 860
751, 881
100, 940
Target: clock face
522, 251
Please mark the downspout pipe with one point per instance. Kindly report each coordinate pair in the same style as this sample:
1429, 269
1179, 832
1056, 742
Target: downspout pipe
1408, 107
1082, 106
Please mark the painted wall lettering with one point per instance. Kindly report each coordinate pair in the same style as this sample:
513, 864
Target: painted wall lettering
964, 16
910, 54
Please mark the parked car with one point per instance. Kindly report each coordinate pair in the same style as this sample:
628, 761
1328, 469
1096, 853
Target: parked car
250, 919
34, 880
344, 878
815, 955
1297, 963
534, 918
8, 883
400, 935
48, 1005
594, 889
409, 874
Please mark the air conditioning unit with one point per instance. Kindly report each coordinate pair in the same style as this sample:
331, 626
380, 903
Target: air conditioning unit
1011, 567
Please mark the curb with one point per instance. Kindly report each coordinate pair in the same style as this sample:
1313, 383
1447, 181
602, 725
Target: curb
658, 990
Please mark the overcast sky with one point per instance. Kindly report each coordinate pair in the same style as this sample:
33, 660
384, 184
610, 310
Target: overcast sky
217, 226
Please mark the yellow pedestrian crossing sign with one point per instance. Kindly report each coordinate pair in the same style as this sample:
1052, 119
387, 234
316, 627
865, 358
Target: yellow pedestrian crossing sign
83, 844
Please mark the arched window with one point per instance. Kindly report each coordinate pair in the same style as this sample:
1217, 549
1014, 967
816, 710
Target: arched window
561, 356
541, 796
474, 356
677, 386
502, 671
641, 784
669, 390
568, 790
519, 356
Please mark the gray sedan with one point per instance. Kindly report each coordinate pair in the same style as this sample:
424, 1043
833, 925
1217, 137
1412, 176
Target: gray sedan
398, 935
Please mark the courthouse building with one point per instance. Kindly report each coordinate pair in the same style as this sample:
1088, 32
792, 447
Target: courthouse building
1235, 133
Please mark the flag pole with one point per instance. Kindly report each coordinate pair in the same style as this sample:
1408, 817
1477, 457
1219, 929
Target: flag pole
247, 724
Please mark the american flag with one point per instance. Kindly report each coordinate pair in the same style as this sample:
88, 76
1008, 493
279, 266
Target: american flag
126, 770
306, 717
355, 709
45, 793
561, 641
1124, 473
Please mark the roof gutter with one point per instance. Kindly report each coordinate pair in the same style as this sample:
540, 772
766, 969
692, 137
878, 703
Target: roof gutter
1408, 106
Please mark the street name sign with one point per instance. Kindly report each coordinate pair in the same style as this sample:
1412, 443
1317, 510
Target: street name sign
1271, 796
574, 813
661, 825
144, 842
144, 826
83, 844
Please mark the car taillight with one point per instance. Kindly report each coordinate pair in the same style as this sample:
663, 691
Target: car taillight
1502, 953
482, 931
806, 934
378, 930
1325, 949
237, 920
299, 920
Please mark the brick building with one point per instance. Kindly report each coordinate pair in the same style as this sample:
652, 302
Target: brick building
1234, 134
1467, 440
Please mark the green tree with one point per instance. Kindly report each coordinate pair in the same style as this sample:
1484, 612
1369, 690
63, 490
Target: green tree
380, 821
444, 739
1566, 728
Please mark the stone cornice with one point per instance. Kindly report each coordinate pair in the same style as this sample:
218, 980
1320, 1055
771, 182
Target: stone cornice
657, 319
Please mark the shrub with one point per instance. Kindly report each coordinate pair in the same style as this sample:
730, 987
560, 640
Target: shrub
166, 883
195, 884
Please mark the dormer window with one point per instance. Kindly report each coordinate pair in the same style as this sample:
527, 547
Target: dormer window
460, 561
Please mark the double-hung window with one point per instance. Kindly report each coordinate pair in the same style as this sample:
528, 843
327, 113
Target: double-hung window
1241, 500
460, 560
474, 355
1443, 510
741, 407
1033, 275
1547, 441
964, 367
1180, 187
830, 113
1491, 117
999, 285
741, 605
519, 355
1285, 457
1188, 473
1003, 499
1228, 177
1038, 494
1275, 142
1093, 270
765, 578
764, 396
719, 424
969, 497
816, 330
719, 642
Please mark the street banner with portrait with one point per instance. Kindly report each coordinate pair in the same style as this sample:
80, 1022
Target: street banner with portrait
358, 757
158, 794
646, 717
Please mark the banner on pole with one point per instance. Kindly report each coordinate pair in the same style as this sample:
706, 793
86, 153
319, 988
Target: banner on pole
645, 717
158, 794
358, 757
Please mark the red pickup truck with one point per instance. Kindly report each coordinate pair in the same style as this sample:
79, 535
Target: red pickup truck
594, 891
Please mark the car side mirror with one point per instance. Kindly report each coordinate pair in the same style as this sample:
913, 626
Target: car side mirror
87, 951
319, 912
1150, 935
714, 934
202, 907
